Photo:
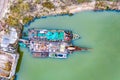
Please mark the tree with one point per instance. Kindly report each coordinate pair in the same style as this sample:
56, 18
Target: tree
48, 5
26, 19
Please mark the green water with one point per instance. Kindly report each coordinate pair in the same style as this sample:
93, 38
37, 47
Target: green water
98, 30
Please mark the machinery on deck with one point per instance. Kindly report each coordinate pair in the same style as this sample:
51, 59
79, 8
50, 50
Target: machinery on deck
50, 43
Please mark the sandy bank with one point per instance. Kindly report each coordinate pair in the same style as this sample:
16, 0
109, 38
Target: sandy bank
81, 7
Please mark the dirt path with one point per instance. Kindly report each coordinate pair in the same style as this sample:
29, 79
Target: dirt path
3, 7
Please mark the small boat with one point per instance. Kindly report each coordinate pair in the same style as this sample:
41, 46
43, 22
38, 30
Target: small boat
58, 55
50, 43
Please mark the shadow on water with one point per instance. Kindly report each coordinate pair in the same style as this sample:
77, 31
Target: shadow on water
20, 59
44, 17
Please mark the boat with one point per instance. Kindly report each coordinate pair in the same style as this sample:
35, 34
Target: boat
51, 35
50, 43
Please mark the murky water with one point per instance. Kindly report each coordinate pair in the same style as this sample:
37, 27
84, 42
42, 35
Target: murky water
98, 30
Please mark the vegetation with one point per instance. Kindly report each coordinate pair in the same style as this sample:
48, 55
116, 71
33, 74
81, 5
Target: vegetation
26, 19
13, 77
48, 5
37, 1
15, 9
18, 12
70, 14
12, 21
23, 12
108, 0
20, 1
20, 59
81, 1
8, 66
102, 5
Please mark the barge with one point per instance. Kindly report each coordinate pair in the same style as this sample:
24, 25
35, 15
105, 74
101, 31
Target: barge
50, 43
51, 35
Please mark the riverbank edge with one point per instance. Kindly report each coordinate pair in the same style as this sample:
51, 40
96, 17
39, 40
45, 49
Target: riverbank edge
73, 10
66, 14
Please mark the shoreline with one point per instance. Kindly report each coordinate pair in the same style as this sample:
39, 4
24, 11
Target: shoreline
57, 15
89, 7
82, 7
70, 10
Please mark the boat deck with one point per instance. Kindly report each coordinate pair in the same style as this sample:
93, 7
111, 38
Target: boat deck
50, 35
48, 48
43, 46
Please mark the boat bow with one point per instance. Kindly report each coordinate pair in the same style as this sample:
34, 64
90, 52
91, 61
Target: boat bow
75, 36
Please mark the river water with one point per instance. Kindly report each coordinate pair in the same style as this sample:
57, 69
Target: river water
98, 30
